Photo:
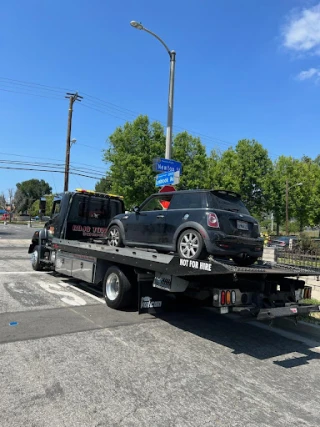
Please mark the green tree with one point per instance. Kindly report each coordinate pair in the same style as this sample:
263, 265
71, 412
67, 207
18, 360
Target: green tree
104, 185
224, 170
131, 151
2, 201
188, 150
243, 170
30, 191
304, 200
254, 167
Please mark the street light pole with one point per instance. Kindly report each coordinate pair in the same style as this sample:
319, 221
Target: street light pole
287, 203
172, 55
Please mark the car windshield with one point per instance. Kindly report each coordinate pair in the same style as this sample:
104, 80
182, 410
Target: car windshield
227, 201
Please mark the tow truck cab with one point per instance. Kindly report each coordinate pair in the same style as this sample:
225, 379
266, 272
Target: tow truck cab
80, 215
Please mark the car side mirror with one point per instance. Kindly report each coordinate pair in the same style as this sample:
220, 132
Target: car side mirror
136, 209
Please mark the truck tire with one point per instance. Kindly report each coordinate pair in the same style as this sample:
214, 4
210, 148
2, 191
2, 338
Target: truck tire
117, 289
35, 259
191, 245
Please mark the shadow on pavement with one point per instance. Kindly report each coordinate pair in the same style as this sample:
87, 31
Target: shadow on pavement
241, 337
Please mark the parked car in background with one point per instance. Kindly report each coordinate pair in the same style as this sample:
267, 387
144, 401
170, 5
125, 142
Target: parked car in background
5, 217
193, 223
282, 242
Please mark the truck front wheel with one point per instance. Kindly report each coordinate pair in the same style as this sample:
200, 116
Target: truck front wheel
117, 289
35, 259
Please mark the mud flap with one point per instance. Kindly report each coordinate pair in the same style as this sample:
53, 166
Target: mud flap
152, 300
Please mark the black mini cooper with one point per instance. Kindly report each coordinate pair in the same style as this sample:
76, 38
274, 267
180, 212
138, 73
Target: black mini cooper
193, 223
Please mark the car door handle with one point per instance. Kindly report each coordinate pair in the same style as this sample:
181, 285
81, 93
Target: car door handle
160, 216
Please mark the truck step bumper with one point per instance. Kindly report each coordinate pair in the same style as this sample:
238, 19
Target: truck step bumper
273, 313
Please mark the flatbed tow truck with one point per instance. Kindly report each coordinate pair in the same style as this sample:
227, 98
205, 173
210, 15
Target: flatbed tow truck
263, 291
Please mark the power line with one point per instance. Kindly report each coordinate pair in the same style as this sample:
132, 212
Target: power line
50, 170
113, 110
51, 165
29, 93
96, 101
46, 158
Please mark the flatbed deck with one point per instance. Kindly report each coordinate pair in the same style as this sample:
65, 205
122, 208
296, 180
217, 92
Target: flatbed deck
173, 265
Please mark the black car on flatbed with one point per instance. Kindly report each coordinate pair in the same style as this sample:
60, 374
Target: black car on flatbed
192, 223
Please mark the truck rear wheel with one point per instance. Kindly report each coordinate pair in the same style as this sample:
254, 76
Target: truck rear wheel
35, 259
117, 289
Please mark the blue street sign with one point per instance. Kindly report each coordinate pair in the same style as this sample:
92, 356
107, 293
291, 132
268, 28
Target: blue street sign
166, 178
166, 165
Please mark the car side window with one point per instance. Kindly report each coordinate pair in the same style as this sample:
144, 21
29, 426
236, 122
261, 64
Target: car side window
187, 201
158, 203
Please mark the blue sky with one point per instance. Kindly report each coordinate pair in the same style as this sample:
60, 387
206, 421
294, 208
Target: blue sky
245, 69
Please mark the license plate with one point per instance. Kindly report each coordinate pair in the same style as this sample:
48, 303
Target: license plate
242, 225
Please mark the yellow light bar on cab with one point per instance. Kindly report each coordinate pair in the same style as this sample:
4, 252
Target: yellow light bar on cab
81, 190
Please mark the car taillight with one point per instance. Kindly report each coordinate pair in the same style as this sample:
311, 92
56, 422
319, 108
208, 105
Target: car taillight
212, 220
223, 298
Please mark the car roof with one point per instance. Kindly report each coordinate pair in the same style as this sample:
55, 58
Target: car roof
170, 193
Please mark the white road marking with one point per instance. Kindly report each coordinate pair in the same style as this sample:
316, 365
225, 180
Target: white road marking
67, 297
2, 273
82, 292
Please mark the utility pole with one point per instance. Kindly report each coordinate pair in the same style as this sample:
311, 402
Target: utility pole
287, 208
73, 97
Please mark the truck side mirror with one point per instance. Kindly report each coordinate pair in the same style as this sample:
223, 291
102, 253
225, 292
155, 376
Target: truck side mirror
136, 209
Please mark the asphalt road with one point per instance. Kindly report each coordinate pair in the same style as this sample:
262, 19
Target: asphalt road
12, 231
68, 360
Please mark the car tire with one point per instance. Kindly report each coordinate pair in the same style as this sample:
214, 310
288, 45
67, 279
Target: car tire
35, 259
244, 261
191, 245
114, 237
117, 289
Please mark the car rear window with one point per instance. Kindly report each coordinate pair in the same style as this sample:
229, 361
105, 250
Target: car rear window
227, 201
187, 201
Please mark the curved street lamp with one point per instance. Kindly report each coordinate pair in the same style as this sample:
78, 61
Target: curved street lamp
287, 202
172, 55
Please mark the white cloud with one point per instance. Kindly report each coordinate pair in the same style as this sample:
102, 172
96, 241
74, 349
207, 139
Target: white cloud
302, 32
308, 74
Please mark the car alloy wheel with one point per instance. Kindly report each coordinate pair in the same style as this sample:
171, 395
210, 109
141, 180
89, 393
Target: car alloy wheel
114, 236
190, 244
